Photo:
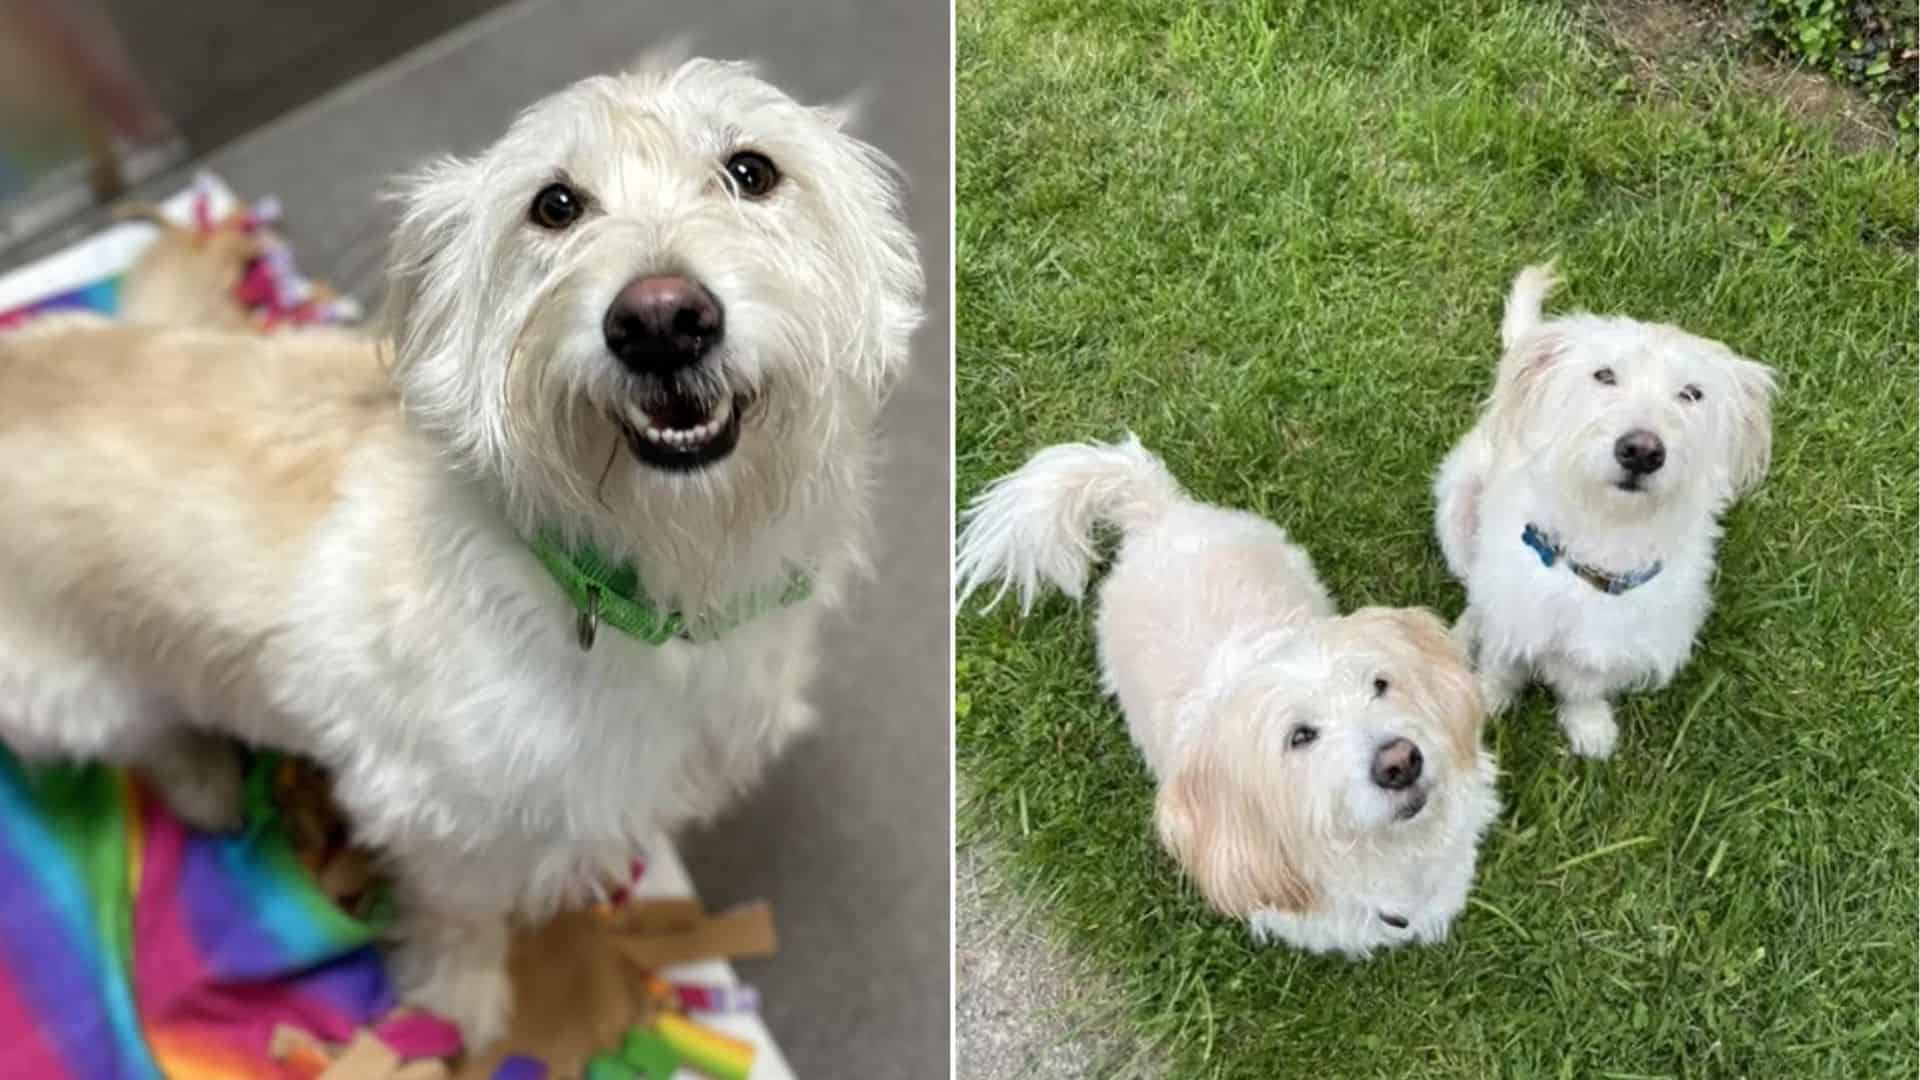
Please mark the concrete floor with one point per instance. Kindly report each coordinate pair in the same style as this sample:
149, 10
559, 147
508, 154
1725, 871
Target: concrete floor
850, 838
1025, 1007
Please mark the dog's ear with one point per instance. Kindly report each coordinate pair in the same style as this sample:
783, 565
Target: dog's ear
663, 57
1216, 834
1527, 348
1437, 675
1749, 426
436, 205
1525, 299
872, 201
847, 113
1523, 370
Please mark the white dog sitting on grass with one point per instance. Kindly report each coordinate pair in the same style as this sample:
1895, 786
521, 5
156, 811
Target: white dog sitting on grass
1320, 775
535, 580
1582, 511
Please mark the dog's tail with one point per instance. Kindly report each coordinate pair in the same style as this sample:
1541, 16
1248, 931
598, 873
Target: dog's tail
1035, 525
1531, 288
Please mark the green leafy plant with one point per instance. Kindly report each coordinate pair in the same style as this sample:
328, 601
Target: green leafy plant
1872, 44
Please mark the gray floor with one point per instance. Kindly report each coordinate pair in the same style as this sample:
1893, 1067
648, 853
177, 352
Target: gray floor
220, 68
850, 839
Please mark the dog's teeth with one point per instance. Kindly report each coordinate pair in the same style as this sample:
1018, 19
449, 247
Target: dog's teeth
683, 438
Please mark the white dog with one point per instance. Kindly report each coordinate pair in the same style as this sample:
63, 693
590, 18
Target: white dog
540, 580
1582, 511
1319, 775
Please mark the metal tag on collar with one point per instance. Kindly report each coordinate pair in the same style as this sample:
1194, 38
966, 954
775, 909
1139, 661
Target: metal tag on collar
587, 627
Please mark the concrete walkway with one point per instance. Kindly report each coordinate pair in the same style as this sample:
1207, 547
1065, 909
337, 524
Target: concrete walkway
1025, 1008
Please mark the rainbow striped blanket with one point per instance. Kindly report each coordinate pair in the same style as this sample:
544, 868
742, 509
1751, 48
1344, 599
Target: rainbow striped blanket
133, 948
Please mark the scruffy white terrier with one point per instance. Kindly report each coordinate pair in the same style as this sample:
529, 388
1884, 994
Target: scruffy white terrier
1320, 775
536, 581
1582, 511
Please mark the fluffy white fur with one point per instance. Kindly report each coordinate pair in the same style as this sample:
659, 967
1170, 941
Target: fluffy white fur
1543, 453
317, 543
1221, 645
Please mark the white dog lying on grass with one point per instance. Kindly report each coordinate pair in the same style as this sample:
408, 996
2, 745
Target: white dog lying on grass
1319, 775
1582, 511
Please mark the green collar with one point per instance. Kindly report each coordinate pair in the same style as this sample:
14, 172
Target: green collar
607, 592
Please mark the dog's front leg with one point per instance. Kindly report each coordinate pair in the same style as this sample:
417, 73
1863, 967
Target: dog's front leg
199, 777
450, 958
758, 705
1501, 680
1585, 714
1501, 677
727, 759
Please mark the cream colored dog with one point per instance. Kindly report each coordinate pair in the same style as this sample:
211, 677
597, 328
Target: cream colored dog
647, 332
1320, 775
1583, 510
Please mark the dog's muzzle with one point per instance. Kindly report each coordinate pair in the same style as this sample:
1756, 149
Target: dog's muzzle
661, 328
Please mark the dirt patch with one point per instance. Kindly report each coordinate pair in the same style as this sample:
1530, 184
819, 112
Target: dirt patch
1657, 32
1025, 1008
1662, 39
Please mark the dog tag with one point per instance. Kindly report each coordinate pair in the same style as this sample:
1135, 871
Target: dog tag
589, 622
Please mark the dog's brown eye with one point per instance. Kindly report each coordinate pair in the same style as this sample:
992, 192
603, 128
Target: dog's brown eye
1690, 393
1380, 686
556, 207
1604, 376
753, 174
1302, 735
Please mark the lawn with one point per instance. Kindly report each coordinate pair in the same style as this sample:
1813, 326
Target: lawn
1275, 245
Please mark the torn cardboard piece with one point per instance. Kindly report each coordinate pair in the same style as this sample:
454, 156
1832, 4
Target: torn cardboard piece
581, 985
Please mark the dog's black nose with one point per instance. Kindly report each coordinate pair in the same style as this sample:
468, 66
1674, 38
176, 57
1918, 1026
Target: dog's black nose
1396, 764
1640, 452
658, 325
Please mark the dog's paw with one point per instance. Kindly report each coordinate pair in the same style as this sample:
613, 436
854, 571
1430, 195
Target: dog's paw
469, 991
201, 780
1591, 731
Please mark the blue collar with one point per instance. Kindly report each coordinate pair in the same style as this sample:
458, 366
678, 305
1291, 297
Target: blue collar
1551, 551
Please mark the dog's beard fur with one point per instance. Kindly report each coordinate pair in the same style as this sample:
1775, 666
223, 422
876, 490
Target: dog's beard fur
500, 352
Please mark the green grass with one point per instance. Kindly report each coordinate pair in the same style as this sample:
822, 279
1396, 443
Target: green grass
1274, 243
